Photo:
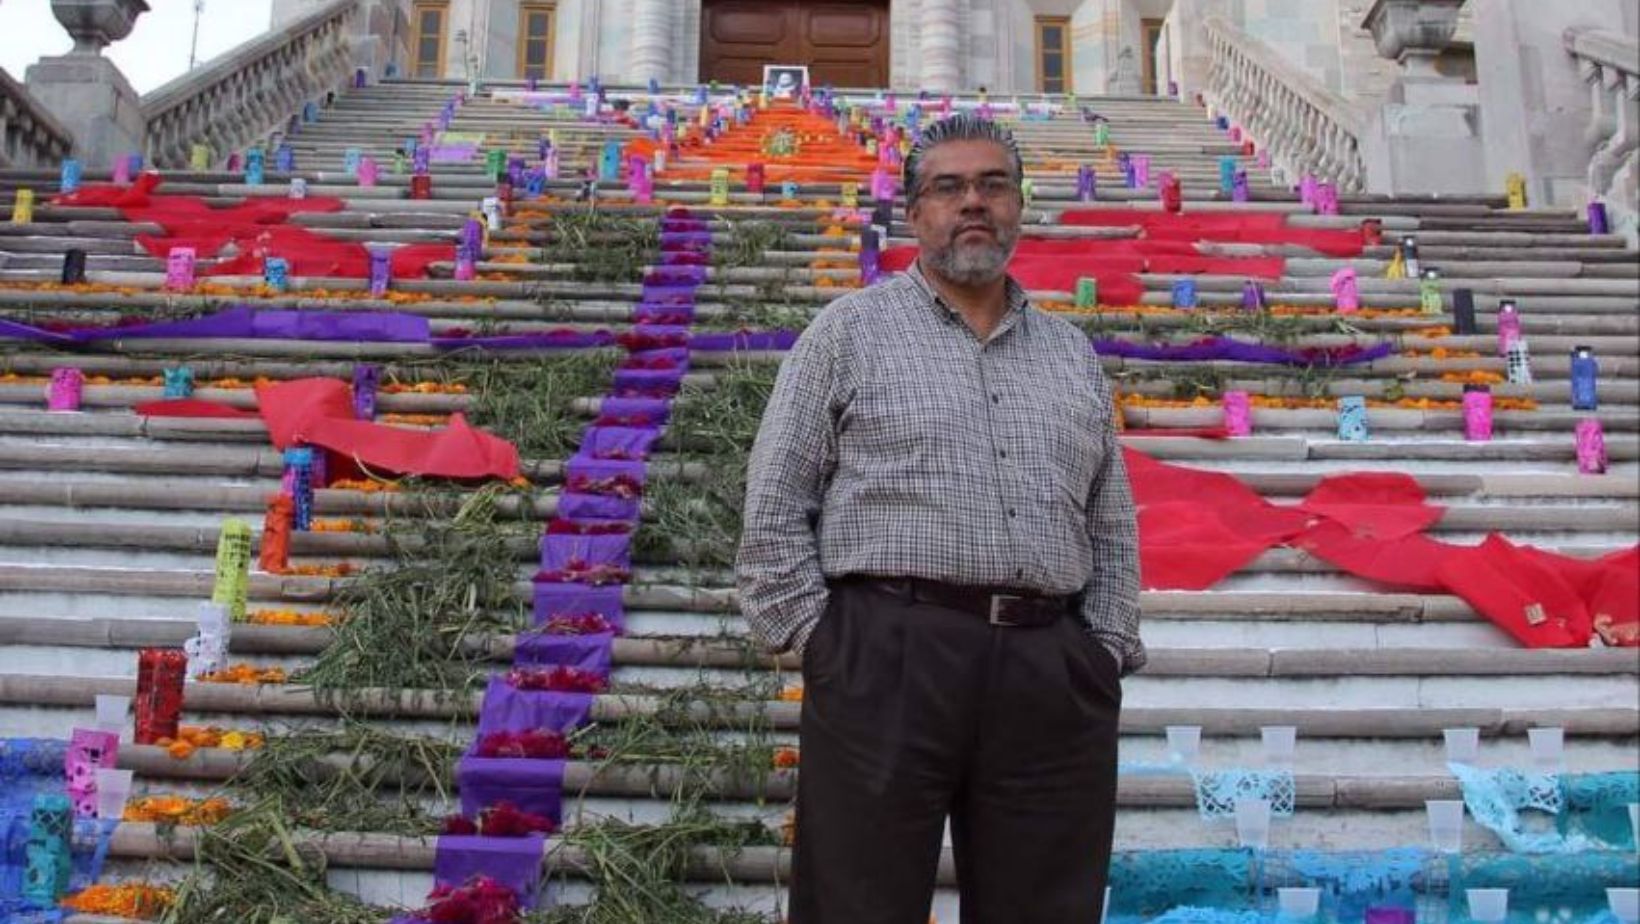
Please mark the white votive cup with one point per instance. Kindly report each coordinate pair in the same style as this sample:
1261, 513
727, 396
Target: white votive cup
1280, 741
1253, 823
1548, 748
1446, 824
1463, 745
112, 711
1298, 904
1184, 742
113, 791
1624, 904
1488, 906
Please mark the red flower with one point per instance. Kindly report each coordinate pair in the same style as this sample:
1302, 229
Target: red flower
639, 340
663, 361
536, 744
562, 527
557, 680
625, 487
504, 819
577, 624
481, 901
459, 826
581, 573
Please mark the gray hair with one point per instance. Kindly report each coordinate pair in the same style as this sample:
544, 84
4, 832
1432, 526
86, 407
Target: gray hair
963, 126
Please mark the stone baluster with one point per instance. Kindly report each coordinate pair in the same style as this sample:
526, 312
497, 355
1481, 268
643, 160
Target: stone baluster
940, 44
29, 136
1306, 128
234, 103
1607, 63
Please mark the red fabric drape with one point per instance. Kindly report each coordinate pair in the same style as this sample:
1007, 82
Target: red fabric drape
1198, 527
1167, 244
238, 237
319, 412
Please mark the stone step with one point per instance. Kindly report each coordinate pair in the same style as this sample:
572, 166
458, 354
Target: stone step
1617, 721
123, 635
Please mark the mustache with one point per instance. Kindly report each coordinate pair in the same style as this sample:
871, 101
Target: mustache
974, 226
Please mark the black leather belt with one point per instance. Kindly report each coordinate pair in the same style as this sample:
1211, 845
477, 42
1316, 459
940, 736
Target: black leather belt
999, 606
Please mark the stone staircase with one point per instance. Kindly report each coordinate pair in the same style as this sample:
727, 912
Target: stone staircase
109, 521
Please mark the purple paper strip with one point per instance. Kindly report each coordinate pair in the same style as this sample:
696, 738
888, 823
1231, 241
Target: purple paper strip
658, 294
536, 786
550, 340
686, 239
1225, 348
646, 383
651, 411
507, 709
560, 551
675, 276
576, 506
272, 324
577, 599
583, 652
11, 330
678, 356
645, 312
624, 442
584, 466
515, 862
744, 340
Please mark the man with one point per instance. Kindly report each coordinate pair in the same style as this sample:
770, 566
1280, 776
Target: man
938, 519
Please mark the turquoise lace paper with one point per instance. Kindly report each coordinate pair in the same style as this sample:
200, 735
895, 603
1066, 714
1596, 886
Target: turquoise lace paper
1217, 791
1597, 806
1591, 809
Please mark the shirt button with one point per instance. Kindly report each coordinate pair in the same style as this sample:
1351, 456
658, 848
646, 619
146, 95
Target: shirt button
1010, 511
1019, 573
1003, 453
996, 399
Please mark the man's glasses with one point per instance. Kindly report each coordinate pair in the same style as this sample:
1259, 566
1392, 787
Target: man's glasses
954, 188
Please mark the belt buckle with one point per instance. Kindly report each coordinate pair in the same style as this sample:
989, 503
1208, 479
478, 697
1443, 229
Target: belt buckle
998, 602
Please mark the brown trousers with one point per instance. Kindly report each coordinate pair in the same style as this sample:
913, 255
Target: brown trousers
913, 713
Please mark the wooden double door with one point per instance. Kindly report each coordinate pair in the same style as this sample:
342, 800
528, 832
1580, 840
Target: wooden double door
843, 42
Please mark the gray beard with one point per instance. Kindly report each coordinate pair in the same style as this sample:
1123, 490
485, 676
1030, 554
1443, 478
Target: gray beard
975, 264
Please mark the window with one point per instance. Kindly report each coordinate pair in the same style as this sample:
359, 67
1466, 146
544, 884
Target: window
1053, 54
428, 53
535, 35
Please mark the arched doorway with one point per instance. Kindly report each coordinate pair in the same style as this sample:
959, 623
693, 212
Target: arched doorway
844, 42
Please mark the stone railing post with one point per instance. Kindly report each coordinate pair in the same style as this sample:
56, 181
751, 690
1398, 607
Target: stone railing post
84, 90
248, 95
1306, 128
1607, 63
1426, 138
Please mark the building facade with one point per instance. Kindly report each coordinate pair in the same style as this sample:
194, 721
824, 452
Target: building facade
1007, 46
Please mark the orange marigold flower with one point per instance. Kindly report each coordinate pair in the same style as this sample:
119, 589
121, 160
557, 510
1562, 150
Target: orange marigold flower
128, 900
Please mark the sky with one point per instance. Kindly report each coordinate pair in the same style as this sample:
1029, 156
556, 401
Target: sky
155, 52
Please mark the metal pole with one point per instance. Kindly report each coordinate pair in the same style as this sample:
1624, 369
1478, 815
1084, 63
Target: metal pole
193, 48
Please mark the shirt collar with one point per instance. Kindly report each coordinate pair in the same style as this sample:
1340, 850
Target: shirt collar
1013, 294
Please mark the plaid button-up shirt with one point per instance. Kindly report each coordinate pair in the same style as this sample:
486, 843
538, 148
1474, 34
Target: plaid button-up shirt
898, 444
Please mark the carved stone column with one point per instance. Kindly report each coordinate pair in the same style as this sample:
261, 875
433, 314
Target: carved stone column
83, 89
652, 41
940, 44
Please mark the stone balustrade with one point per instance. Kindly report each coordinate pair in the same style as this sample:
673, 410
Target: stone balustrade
251, 92
29, 136
1608, 63
1307, 128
